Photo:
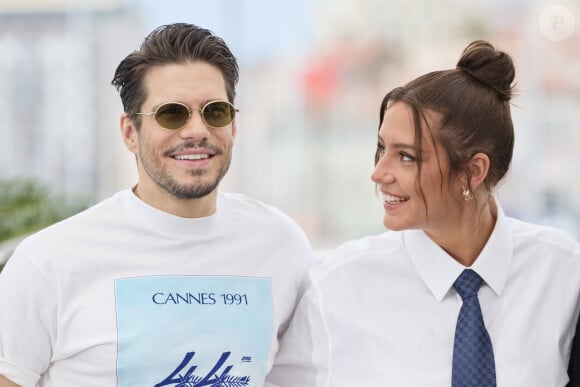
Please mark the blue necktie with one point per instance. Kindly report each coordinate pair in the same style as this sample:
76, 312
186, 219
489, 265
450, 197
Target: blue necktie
473, 363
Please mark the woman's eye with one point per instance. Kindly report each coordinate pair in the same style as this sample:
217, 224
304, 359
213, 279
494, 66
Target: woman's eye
405, 157
380, 149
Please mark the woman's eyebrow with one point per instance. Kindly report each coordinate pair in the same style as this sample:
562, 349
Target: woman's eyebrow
398, 145
401, 145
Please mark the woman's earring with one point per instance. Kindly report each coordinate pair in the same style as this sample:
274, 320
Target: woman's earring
467, 195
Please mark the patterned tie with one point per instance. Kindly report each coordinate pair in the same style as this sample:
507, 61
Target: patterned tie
473, 363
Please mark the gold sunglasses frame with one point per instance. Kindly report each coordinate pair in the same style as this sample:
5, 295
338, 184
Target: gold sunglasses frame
190, 110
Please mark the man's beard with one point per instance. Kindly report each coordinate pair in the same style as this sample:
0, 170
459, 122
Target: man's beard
198, 188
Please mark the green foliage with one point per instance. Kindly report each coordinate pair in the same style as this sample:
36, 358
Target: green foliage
27, 206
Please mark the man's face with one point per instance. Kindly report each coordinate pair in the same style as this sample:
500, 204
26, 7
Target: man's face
185, 163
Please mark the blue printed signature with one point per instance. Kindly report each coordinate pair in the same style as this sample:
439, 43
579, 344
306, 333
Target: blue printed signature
212, 379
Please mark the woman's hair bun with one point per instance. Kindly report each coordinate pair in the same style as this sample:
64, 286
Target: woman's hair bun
489, 66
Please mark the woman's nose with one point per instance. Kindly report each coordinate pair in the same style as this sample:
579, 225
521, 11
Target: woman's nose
382, 172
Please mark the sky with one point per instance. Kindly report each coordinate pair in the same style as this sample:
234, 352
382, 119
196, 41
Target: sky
253, 29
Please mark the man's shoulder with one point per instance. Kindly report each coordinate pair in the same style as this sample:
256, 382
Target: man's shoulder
244, 200
99, 213
250, 208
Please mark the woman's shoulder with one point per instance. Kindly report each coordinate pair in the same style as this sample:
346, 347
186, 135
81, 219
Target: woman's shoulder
357, 251
541, 234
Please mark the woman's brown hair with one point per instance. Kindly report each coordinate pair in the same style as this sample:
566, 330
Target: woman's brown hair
472, 104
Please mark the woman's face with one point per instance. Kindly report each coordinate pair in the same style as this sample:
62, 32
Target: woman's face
399, 181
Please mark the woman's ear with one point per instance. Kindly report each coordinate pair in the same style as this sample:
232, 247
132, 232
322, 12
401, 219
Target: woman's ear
478, 168
129, 133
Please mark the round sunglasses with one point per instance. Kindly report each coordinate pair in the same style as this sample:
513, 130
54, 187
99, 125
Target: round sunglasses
174, 115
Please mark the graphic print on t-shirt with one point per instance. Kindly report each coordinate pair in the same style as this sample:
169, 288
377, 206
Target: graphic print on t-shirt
193, 331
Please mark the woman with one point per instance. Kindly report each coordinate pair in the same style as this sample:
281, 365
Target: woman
392, 310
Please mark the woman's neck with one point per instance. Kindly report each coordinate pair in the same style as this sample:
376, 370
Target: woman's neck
470, 234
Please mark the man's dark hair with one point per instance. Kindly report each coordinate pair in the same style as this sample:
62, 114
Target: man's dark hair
174, 43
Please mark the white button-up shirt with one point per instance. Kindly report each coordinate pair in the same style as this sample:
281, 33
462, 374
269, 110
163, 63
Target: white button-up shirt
382, 311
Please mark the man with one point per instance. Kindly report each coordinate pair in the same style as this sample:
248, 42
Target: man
171, 283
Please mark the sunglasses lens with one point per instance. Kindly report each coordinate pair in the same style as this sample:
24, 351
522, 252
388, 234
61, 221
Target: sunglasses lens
172, 115
218, 114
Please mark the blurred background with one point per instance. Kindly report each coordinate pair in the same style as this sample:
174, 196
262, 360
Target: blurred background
312, 75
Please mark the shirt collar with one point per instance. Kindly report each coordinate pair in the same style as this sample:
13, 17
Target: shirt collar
439, 270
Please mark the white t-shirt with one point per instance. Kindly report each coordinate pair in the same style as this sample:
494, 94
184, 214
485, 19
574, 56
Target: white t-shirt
123, 294
382, 311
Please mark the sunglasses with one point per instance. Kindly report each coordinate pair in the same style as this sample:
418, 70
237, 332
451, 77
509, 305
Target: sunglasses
174, 115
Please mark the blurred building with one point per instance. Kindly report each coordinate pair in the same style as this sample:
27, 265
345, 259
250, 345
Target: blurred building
58, 58
308, 119
324, 111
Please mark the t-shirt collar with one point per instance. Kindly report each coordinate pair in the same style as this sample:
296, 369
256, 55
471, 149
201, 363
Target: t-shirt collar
169, 224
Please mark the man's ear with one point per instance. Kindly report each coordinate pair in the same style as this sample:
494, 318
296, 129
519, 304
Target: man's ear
129, 133
234, 130
478, 168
